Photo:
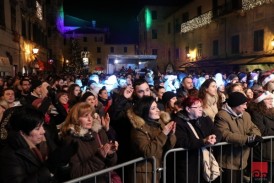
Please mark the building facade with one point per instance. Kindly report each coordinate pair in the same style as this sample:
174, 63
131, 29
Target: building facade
210, 34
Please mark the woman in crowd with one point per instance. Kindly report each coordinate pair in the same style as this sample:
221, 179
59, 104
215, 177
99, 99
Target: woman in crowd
90, 98
262, 113
188, 171
74, 94
29, 155
169, 98
95, 152
152, 134
104, 98
211, 102
249, 95
234, 87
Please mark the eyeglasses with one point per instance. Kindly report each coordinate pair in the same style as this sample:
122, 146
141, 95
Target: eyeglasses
197, 107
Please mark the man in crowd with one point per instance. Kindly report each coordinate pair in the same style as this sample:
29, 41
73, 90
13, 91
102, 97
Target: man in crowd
238, 129
187, 84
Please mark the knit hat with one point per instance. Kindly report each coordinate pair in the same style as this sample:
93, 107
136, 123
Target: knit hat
261, 96
267, 79
86, 95
235, 99
35, 84
167, 96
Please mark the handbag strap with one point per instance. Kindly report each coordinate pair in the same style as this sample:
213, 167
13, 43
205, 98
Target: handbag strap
193, 130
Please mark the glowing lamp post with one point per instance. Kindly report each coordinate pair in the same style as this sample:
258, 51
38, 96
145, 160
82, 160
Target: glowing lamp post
35, 62
272, 44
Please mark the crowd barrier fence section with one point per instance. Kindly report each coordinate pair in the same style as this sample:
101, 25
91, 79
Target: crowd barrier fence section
121, 167
258, 170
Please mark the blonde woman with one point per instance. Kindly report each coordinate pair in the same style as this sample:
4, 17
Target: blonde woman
95, 152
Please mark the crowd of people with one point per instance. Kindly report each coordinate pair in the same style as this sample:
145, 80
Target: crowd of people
59, 127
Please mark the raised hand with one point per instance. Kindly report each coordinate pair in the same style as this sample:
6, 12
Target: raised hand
211, 139
105, 121
128, 92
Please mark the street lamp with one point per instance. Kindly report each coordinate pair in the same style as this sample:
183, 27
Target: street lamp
272, 43
35, 62
35, 51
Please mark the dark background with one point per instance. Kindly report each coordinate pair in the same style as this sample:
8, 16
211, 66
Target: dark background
119, 16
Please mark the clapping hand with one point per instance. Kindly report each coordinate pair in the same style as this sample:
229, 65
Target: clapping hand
170, 127
210, 140
114, 147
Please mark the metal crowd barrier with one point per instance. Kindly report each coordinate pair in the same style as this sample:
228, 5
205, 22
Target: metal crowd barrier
117, 167
257, 171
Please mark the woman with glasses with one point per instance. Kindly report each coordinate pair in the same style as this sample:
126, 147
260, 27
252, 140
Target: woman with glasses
191, 115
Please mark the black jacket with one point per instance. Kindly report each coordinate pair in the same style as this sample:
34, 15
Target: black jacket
186, 139
19, 164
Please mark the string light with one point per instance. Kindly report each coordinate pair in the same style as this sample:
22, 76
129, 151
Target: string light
250, 4
197, 22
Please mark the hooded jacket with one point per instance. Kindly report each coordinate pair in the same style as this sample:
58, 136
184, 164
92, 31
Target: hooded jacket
235, 130
147, 140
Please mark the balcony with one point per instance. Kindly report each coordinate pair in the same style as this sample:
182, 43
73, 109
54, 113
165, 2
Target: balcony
226, 9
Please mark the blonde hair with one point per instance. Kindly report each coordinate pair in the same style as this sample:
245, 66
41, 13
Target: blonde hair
75, 112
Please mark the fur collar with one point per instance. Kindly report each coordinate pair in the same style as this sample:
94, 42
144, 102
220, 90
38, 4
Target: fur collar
138, 122
83, 134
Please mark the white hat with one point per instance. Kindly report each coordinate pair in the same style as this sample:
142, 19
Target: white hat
263, 96
267, 79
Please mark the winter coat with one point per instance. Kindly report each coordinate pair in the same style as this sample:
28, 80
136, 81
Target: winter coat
266, 125
147, 140
121, 124
19, 164
88, 159
235, 130
187, 139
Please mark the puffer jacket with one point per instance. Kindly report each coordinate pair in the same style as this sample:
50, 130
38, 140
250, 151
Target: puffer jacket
147, 140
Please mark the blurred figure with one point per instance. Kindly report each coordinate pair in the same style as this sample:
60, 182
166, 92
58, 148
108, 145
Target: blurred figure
262, 114
3, 106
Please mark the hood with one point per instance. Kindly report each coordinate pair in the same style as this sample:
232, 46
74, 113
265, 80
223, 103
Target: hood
230, 111
138, 122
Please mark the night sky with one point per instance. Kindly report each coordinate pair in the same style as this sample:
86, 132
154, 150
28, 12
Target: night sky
119, 16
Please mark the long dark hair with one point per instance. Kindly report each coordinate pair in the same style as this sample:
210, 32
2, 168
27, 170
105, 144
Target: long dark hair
142, 106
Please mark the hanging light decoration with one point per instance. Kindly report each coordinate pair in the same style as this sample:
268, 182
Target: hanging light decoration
197, 22
250, 4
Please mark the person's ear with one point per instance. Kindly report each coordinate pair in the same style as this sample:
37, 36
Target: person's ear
187, 108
